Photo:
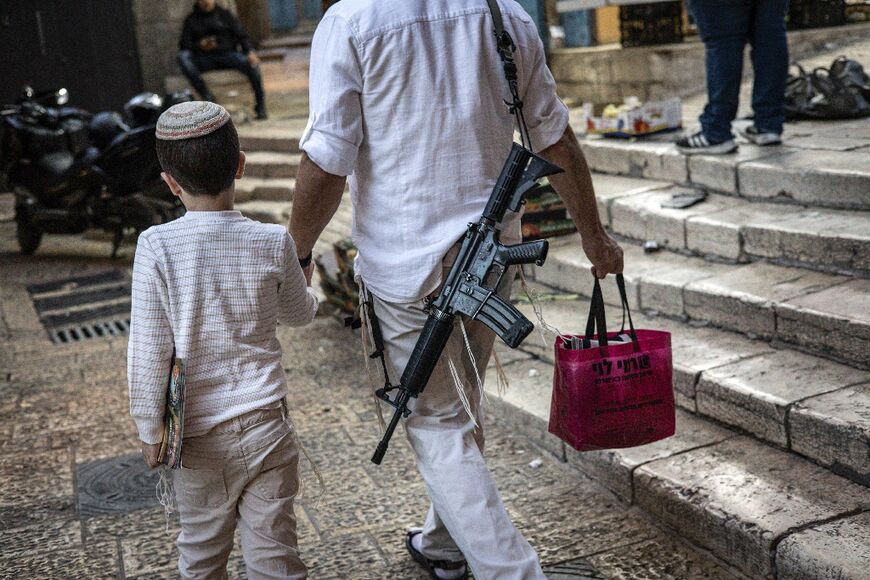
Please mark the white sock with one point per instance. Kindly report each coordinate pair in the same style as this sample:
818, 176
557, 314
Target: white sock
417, 542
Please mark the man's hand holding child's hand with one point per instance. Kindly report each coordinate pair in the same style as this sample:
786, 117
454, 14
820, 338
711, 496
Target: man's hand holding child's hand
151, 453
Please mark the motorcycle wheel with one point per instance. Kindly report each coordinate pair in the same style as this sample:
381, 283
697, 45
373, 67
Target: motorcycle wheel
29, 237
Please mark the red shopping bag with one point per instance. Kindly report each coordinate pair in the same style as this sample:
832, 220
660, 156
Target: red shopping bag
612, 390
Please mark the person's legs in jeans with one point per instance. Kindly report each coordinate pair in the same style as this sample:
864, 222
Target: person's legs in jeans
239, 62
193, 65
770, 63
724, 27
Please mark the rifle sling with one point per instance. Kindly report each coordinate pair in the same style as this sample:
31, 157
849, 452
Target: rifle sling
496, 17
505, 47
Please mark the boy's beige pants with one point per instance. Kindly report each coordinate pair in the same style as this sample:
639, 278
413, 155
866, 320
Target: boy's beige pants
243, 470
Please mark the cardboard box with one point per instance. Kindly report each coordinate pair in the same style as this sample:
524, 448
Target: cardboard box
650, 117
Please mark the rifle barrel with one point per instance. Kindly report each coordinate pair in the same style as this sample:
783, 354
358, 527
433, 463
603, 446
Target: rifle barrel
401, 406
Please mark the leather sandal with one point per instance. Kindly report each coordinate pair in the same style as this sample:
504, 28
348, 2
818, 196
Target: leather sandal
430, 565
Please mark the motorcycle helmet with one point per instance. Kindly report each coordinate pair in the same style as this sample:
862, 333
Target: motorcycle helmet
104, 127
183, 96
143, 109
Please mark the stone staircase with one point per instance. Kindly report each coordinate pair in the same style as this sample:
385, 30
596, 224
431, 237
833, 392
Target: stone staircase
765, 287
266, 192
277, 47
821, 170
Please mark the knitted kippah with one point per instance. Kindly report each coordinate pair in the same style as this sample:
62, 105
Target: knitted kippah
190, 120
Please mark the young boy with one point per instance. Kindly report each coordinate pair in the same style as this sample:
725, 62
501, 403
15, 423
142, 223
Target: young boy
212, 285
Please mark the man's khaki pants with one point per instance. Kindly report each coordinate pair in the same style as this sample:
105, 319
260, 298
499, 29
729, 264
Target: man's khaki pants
467, 517
244, 470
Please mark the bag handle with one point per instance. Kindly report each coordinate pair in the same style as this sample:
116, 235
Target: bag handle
598, 318
626, 309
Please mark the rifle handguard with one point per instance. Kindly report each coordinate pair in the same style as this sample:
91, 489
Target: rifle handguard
426, 353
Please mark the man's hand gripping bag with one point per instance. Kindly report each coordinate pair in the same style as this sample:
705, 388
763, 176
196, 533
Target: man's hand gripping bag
612, 390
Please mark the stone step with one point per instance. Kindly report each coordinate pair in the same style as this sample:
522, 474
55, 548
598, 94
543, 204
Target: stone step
285, 41
272, 164
838, 179
281, 136
738, 230
755, 506
278, 212
272, 54
264, 189
822, 313
268, 212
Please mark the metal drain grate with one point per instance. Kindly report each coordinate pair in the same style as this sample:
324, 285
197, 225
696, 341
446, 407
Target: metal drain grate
92, 330
85, 307
117, 485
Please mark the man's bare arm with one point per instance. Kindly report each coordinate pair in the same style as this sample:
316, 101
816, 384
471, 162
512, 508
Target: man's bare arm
575, 188
315, 201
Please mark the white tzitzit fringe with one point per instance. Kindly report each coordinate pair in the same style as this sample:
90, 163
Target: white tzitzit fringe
473, 360
536, 306
460, 391
166, 492
471, 355
317, 474
502, 384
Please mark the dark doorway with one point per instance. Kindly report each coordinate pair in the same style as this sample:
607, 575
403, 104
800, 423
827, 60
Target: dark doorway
87, 46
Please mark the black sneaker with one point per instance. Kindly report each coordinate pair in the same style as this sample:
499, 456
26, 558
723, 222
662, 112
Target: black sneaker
262, 114
761, 138
698, 144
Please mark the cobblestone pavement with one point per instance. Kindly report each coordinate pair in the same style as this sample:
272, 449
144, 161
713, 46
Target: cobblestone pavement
64, 513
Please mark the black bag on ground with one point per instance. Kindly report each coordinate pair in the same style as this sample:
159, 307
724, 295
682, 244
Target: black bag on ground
839, 92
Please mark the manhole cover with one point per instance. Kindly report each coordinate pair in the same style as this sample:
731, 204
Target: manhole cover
117, 485
82, 308
574, 570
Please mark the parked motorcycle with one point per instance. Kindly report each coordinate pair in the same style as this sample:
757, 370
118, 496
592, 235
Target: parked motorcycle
72, 171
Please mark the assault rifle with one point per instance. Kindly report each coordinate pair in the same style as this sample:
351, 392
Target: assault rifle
471, 285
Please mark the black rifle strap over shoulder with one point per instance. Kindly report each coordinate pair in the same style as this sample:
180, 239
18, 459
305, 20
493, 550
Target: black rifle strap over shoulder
506, 47
496, 17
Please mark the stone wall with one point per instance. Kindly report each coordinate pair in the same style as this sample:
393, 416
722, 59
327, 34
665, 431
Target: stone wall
158, 27
609, 73
254, 15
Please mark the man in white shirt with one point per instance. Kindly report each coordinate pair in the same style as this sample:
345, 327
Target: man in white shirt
407, 98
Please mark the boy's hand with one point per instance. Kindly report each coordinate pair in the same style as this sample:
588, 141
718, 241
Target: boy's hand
150, 452
309, 272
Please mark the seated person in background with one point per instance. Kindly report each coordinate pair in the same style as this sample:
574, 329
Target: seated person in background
211, 40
